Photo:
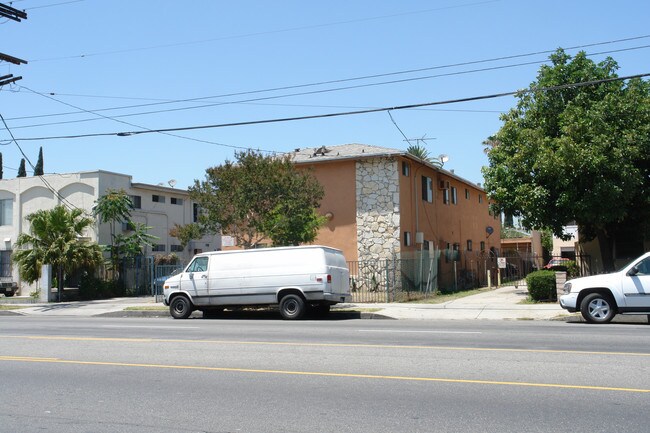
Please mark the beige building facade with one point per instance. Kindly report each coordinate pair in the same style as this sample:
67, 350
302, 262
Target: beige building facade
156, 206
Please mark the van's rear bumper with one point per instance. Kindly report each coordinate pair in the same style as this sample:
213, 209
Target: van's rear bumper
336, 297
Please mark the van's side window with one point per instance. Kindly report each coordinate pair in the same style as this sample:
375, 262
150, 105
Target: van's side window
200, 264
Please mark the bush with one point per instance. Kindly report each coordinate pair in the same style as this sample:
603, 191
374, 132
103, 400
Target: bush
95, 288
572, 270
541, 285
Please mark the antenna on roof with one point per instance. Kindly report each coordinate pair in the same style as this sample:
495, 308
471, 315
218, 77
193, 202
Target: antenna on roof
419, 140
172, 182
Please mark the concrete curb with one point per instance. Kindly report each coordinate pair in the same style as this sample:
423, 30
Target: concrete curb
251, 315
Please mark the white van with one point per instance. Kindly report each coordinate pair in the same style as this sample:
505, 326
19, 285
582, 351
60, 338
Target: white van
295, 278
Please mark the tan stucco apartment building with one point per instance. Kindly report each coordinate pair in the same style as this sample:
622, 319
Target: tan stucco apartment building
383, 203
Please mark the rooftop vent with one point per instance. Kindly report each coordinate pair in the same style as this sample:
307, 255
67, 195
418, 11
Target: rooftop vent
321, 151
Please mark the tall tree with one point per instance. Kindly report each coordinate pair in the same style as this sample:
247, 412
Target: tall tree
56, 238
38, 168
260, 197
21, 169
575, 153
114, 207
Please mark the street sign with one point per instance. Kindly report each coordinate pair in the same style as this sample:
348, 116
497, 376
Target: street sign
501, 262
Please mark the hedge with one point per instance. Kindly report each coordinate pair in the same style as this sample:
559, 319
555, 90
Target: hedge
541, 285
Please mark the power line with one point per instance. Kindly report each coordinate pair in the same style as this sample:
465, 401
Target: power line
359, 78
298, 93
144, 128
45, 182
53, 4
348, 113
264, 33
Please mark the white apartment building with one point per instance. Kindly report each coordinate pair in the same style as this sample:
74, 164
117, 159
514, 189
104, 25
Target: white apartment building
159, 207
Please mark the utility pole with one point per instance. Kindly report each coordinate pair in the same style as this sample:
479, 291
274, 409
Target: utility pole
16, 15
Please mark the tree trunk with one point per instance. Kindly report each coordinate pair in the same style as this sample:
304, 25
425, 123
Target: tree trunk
606, 250
59, 280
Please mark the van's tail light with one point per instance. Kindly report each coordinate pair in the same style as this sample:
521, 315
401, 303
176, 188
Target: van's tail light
329, 279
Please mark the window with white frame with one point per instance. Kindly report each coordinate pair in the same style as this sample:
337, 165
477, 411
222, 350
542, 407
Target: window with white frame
158, 198
454, 195
6, 212
175, 200
407, 239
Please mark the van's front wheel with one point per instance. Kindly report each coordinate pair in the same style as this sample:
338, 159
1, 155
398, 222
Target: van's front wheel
292, 307
180, 307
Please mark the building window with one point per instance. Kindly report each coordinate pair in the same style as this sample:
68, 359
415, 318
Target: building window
466, 193
6, 212
426, 246
175, 248
158, 248
175, 200
5, 263
445, 196
427, 189
482, 245
137, 201
406, 168
158, 198
456, 252
480, 198
469, 245
407, 239
454, 195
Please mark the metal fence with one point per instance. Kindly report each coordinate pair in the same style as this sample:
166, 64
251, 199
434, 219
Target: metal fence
425, 274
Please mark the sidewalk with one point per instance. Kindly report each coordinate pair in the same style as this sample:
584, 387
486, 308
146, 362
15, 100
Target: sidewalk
499, 304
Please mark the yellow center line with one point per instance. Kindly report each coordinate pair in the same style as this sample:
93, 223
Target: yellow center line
342, 345
322, 374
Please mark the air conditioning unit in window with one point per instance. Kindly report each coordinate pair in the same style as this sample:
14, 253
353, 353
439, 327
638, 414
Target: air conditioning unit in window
443, 184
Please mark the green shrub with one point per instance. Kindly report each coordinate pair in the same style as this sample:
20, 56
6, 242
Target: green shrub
541, 285
572, 270
91, 287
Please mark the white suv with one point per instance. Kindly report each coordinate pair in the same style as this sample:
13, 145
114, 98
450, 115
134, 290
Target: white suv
600, 297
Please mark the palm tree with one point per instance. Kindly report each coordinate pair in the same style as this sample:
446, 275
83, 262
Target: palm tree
419, 152
55, 238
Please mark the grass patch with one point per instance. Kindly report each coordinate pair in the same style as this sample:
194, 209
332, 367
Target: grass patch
529, 301
446, 297
11, 307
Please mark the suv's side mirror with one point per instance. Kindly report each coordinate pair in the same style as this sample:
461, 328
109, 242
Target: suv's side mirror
632, 272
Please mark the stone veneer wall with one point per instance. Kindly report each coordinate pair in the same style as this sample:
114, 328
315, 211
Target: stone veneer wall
378, 217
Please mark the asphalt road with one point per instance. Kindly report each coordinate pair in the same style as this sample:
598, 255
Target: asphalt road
268, 375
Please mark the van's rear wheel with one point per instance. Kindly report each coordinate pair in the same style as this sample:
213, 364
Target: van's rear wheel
292, 307
180, 307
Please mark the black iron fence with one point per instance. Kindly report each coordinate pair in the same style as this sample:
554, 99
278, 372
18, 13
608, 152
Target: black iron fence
426, 274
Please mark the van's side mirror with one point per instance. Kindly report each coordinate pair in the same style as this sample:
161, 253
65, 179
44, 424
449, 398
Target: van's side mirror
632, 272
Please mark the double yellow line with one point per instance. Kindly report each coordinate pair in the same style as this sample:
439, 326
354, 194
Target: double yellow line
316, 373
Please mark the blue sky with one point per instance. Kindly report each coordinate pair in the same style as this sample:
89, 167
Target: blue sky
105, 54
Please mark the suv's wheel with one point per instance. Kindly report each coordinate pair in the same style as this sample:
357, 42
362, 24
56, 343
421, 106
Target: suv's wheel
292, 307
180, 307
597, 308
